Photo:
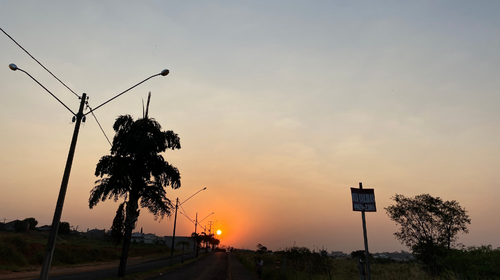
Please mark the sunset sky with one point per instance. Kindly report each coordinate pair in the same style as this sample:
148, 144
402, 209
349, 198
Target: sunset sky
281, 107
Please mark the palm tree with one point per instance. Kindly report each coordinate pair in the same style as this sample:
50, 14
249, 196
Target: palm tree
213, 241
136, 172
197, 238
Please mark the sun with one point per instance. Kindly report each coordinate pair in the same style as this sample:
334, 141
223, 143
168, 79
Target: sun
219, 232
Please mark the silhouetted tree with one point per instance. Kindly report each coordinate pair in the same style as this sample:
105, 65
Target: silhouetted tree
197, 240
118, 226
64, 228
214, 241
205, 238
136, 172
428, 224
359, 254
20, 226
32, 222
261, 248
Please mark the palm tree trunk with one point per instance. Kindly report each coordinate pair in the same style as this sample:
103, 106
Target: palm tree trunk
126, 245
130, 220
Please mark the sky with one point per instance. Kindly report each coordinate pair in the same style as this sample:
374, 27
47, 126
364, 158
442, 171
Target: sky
281, 108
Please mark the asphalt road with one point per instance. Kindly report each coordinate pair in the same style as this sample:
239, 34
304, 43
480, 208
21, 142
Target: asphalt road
112, 272
211, 267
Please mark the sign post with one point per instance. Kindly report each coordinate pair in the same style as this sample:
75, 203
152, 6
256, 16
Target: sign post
364, 200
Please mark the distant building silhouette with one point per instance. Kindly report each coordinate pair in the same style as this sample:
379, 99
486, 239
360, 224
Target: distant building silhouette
95, 233
44, 229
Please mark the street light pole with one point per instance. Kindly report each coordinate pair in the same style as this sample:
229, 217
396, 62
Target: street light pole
49, 252
201, 220
173, 235
47, 261
210, 226
196, 224
175, 222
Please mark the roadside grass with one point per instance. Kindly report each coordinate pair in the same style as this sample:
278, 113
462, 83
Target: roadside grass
347, 269
25, 251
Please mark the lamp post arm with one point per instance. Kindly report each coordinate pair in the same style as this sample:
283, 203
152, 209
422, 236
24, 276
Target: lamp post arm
192, 195
47, 90
159, 74
206, 217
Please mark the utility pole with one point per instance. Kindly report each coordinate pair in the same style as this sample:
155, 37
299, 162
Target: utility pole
210, 223
196, 223
173, 236
177, 204
195, 226
49, 252
78, 117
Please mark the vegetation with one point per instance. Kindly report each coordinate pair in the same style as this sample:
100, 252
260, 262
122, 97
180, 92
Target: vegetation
32, 222
25, 251
300, 263
136, 172
261, 248
64, 228
428, 225
472, 263
203, 238
21, 226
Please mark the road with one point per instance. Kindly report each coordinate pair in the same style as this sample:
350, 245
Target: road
213, 266
216, 266
131, 269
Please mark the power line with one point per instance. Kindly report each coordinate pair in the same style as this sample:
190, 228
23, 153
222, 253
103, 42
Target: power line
39, 62
99, 124
184, 212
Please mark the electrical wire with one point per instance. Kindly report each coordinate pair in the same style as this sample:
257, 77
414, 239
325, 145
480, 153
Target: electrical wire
39, 63
185, 212
88, 106
188, 218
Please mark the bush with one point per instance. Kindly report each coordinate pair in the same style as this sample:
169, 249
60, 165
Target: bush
20, 226
472, 263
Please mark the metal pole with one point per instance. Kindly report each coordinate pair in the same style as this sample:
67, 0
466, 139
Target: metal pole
196, 241
173, 236
367, 254
49, 253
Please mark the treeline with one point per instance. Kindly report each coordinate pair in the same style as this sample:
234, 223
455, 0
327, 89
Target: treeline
31, 224
481, 262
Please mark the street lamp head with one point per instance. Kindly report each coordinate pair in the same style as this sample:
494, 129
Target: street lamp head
164, 72
13, 67
204, 188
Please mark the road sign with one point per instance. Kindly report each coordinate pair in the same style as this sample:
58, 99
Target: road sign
363, 200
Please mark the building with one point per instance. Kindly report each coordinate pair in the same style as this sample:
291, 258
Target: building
95, 233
